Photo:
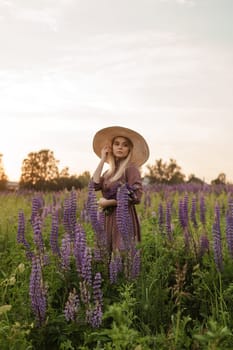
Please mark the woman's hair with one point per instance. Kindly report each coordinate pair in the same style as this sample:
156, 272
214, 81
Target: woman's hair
122, 166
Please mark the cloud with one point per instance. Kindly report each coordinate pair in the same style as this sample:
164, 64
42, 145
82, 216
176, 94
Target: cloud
186, 2
118, 72
182, 2
42, 12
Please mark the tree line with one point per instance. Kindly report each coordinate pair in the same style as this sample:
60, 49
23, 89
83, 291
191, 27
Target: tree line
40, 172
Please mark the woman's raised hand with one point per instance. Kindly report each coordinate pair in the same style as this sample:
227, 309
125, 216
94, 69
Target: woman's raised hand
105, 152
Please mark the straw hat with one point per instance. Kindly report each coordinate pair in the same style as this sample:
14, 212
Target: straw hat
140, 152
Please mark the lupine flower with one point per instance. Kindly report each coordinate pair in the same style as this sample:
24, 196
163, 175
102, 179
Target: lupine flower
65, 252
69, 213
97, 292
71, 306
185, 209
73, 208
37, 204
97, 254
193, 211
54, 234
80, 245
37, 291
21, 234
168, 221
123, 218
94, 316
161, 216
115, 266
85, 293
86, 266
37, 231
183, 212
217, 240
96, 221
229, 228
202, 211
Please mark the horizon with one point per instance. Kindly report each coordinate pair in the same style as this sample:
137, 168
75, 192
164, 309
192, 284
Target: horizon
144, 171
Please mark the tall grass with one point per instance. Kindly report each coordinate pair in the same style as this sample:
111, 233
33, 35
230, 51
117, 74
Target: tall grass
181, 299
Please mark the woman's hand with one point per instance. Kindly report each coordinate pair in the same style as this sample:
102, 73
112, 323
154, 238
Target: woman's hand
104, 203
106, 150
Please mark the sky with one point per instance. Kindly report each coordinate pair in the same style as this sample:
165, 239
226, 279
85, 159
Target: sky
161, 67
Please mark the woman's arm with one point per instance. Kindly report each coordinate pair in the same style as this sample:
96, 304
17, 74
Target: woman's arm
97, 174
104, 203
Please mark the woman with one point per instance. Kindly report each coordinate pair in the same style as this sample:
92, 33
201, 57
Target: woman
125, 151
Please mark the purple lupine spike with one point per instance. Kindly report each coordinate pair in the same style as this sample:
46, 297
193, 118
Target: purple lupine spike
204, 245
217, 245
123, 218
97, 221
185, 209
66, 216
86, 271
54, 234
168, 221
229, 228
97, 292
37, 231
37, 204
183, 212
21, 235
69, 213
115, 266
92, 207
80, 245
112, 270
85, 293
161, 216
193, 211
202, 210
37, 291
65, 252
230, 206
94, 316
71, 306
73, 209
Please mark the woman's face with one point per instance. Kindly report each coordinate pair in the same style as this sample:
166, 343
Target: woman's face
120, 147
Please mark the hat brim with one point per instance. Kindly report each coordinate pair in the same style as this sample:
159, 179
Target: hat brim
140, 152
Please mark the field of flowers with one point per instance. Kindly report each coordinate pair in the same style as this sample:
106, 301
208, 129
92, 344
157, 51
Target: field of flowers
60, 289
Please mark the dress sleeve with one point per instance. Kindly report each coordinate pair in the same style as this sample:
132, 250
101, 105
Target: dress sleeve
134, 181
98, 186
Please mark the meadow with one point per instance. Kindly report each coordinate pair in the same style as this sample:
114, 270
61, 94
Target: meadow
60, 289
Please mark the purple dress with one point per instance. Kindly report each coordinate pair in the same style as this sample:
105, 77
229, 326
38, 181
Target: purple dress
109, 189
